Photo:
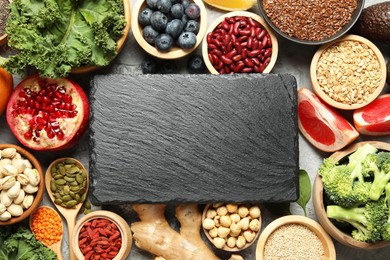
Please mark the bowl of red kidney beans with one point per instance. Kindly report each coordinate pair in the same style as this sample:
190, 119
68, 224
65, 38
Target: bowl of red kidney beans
239, 42
311, 22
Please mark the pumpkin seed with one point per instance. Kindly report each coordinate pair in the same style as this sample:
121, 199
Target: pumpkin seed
53, 170
84, 174
53, 186
66, 189
87, 204
58, 176
57, 201
83, 196
77, 198
69, 161
68, 166
87, 211
74, 169
71, 203
75, 188
69, 179
79, 178
57, 195
60, 182
66, 198
62, 170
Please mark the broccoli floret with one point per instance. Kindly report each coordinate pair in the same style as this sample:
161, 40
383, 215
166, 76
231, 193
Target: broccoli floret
368, 220
386, 226
378, 166
345, 184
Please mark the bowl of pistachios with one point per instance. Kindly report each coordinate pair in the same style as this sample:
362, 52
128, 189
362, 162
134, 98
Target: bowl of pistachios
21, 184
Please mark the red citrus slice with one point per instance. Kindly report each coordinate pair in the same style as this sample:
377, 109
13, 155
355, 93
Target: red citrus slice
321, 125
374, 119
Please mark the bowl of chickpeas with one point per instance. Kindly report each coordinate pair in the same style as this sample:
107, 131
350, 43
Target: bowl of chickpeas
231, 227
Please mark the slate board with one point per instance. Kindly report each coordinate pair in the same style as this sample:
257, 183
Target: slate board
193, 138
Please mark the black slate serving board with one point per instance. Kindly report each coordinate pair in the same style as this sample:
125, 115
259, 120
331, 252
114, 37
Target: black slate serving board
193, 138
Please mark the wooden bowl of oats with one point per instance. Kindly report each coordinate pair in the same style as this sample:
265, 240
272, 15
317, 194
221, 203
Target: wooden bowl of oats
348, 73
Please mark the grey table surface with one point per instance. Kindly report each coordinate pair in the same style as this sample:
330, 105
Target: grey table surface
293, 59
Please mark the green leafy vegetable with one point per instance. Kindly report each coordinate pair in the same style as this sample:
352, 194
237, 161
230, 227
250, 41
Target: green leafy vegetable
20, 244
55, 36
304, 190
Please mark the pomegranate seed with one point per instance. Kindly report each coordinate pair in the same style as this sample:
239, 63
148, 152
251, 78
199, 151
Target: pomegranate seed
37, 133
45, 99
73, 107
55, 125
28, 135
22, 94
62, 105
56, 103
15, 106
67, 106
35, 139
39, 120
40, 127
60, 135
73, 114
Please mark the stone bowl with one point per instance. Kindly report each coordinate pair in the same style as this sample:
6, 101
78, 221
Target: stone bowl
41, 186
175, 52
344, 29
219, 20
122, 225
325, 97
327, 243
319, 204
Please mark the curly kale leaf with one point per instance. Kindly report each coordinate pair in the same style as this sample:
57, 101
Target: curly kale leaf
55, 36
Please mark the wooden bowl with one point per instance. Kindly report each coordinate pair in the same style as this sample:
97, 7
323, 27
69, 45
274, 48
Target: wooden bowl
175, 52
226, 248
317, 89
41, 186
121, 41
254, 16
117, 220
327, 243
319, 207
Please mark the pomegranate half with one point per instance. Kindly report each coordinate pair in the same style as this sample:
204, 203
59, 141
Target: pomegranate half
48, 114
321, 125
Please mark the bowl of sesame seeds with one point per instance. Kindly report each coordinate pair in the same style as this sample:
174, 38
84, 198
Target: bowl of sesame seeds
294, 237
348, 73
311, 22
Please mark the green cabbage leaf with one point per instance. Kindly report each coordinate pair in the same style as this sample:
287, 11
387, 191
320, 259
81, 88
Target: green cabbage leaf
54, 36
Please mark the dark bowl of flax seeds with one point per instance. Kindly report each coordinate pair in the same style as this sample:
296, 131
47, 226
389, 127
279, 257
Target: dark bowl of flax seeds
311, 22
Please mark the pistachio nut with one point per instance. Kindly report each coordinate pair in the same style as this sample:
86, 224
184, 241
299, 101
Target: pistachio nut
23, 179
30, 188
8, 153
14, 191
33, 177
19, 165
9, 170
15, 210
8, 182
19, 199
27, 201
2, 208
4, 199
5, 216
27, 163
5, 161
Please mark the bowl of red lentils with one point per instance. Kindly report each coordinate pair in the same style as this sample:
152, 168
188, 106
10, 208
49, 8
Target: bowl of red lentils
294, 237
348, 73
102, 235
239, 42
311, 22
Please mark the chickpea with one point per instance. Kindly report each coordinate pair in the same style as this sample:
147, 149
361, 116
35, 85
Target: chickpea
241, 242
213, 232
254, 212
231, 208
235, 217
231, 242
223, 232
211, 213
208, 224
249, 235
217, 205
217, 221
235, 229
236, 257
254, 225
244, 223
222, 211
225, 221
219, 242
243, 211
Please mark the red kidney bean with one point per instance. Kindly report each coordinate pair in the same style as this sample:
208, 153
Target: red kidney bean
220, 65
244, 53
211, 58
254, 53
269, 42
245, 32
236, 28
255, 61
225, 25
226, 60
237, 58
267, 61
251, 22
247, 70
239, 67
261, 35
248, 62
264, 42
209, 37
258, 30
253, 31
215, 58
221, 71
255, 44
226, 39
231, 53
257, 69
211, 46
250, 43
242, 39
223, 48
227, 70
230, 46
267, 52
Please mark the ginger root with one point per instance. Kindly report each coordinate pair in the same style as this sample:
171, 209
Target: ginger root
155, 235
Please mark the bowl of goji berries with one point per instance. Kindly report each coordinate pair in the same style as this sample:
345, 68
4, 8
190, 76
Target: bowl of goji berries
102, 235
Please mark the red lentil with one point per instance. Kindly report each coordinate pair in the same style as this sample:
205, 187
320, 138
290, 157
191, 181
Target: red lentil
46, 225
310, 19
100, 238
239, 45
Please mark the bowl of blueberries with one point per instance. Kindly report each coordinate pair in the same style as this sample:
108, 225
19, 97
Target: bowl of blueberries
169, 29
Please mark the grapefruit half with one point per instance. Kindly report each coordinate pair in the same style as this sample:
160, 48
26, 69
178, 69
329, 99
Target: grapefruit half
321, 125
374, 119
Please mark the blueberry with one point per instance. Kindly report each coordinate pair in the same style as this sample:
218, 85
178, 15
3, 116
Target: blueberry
168, 67
152, 4
159, 21
187, 40
164, 6
149, 66
164, 42
144, 16
174, 28
177, 11
193, 11
192, 26
196, 65
150, 34
184, 19
185, 3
